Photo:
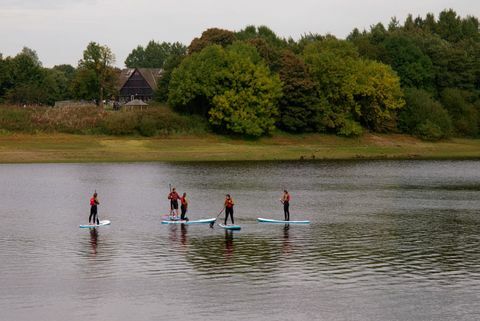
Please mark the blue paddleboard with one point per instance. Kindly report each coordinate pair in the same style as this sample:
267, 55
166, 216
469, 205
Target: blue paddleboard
267, 220
102, 223
202, 221
230, 227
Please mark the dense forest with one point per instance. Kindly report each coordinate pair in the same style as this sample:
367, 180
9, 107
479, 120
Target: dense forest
421, 77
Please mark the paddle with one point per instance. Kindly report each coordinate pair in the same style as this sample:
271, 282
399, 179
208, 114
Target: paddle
211, 223
171, 210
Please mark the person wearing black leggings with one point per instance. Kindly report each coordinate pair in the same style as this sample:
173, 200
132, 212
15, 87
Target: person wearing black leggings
286, 205
229, 208
93, 209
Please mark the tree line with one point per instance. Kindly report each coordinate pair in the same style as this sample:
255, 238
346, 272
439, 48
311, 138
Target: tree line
420, 77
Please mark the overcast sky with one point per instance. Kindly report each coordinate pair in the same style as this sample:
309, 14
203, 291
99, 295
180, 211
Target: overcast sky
59, 30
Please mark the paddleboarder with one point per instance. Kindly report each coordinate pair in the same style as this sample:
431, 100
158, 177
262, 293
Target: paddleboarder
93, 209
229, 208
286, 204
173, 197
184, 206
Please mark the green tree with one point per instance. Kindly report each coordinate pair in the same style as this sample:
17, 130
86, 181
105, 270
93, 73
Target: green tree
154, 55
412, 65
460, 105
377, 95
26, 68
332, 63
264, 33
231, 85
449, 26
352, 89
25, 78
423, 116
197, 80
68, 73
172, 62
212, 36
85, 85
299, 106
5, 82
56, 86
97, 68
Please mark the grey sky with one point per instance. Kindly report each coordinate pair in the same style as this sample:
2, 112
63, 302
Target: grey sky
59, 30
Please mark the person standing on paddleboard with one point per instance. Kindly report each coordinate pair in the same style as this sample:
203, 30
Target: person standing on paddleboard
229, 208
93, 209
184, 206
286, 204
173, 197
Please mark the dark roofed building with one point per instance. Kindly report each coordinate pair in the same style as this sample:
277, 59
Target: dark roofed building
138, 83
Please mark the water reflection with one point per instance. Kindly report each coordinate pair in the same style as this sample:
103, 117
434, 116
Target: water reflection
178, 235
228, 245
94, 240
286, 244
388, 241
183, 233
235, 251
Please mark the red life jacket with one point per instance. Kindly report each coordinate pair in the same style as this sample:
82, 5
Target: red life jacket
184, 201
92, 201
229, 203
173, 196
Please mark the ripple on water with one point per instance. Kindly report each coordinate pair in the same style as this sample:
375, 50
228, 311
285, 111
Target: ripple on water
388, 241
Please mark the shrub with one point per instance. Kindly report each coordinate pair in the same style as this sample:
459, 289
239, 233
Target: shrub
94, 120
147, 126
423, 116
74, 120
459, 105
121, 123
350, 129
168, 122
15, 118
429, 131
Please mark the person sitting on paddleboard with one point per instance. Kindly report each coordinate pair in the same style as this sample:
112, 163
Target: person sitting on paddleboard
286, 204
173, 197
229, 208
184, 206
93, 209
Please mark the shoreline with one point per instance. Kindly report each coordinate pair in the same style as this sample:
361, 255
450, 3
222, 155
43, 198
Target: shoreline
67, 148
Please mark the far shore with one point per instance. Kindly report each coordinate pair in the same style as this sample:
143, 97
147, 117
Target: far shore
64, 148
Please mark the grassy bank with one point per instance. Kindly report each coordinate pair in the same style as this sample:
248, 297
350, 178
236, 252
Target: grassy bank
27, 148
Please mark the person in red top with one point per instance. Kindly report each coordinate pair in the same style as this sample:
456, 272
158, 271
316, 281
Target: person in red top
173, 197
229, 208
286, 204
93, 209
184, 206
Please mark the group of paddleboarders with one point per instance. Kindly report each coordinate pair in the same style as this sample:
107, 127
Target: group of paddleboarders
174, 197
227, 206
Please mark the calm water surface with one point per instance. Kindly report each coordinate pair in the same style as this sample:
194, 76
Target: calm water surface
389, 240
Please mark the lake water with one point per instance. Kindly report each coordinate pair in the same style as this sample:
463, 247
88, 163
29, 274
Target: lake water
389, 240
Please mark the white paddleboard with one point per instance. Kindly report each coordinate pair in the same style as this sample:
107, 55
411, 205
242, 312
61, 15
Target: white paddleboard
102, 223
230, 227
267, 220
202, 221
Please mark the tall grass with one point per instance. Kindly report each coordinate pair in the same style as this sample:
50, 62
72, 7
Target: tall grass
155, 120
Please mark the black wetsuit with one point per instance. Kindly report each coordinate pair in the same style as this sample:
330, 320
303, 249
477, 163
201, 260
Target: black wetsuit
286, 210
183, 208
229, 211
